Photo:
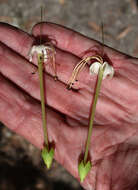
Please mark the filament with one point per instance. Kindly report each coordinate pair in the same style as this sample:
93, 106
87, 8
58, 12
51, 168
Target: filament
78, 68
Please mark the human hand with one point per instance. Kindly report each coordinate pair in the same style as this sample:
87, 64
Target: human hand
114, 145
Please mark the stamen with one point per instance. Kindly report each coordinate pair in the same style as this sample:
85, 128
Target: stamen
48, 51
52, 59
78, 68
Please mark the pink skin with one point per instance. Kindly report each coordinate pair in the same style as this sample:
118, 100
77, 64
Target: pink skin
114, 144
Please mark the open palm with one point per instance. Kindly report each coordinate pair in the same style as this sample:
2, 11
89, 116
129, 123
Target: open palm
114, 142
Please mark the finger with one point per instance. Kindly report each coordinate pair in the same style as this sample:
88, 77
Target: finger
18, 70
75, 104
21, 42
110, 101
65, 38
16, 39
76, 43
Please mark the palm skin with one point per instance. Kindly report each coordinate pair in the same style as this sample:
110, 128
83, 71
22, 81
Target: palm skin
114, 142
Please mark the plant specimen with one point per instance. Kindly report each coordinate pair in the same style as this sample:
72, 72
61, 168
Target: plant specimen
103, 70
48, 52
45, 53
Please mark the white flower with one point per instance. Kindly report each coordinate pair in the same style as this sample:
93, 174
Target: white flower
40, 49
108, 69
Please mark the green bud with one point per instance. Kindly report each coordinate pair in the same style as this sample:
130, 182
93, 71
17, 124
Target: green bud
47, 156
83, 169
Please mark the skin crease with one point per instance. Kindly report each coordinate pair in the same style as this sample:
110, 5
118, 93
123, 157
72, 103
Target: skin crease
114, 142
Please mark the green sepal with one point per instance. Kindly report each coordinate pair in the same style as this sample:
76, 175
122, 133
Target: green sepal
83, 169
47, 156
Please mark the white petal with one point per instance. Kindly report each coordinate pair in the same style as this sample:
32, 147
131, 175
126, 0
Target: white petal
94, 68
108, 71
45, 54
30, 58
40, 49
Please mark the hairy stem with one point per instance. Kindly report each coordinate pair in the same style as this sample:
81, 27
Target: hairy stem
93, 108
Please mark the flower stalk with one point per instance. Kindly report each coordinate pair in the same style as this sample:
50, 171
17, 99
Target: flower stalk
47, 152
103, 70
93, 109
85, 165
43, 54
42, 95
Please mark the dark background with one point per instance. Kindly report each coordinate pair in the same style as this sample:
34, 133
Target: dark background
21, 166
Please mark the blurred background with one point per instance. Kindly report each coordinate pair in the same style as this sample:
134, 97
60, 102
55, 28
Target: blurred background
20, 164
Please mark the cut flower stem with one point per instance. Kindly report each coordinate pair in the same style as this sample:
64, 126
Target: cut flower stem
42, 94
85, 165
47, 151
93, 108
103, 70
